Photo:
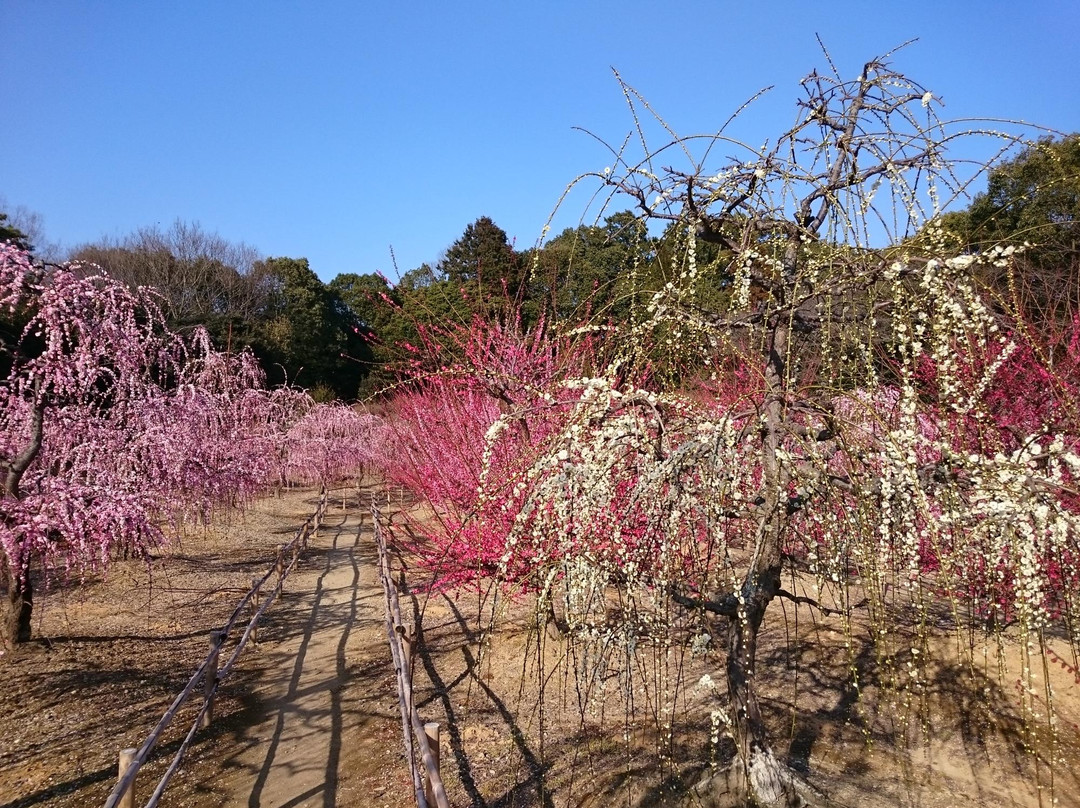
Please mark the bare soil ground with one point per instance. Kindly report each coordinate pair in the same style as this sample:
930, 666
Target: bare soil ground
535, 718
309, 717
640, 735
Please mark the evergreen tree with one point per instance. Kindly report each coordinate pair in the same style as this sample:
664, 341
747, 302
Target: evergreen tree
8, 232
483, 256
309, 335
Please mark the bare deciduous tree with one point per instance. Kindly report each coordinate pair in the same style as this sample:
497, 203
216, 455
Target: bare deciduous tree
201, 275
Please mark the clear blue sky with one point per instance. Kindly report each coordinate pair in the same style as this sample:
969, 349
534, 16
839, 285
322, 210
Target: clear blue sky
333, 129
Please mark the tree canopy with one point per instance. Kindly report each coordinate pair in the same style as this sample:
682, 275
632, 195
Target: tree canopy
203, 279
1034, 198
1032, 202
483, 254
8, 232
591, 269
299, 328
309, 335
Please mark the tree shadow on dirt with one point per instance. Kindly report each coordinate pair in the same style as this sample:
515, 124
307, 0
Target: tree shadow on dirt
830, 698
441, 693
310, 707
106, 775
434, 643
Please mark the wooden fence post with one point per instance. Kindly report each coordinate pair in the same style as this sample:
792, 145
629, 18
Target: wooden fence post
127, 758
431, 729
279, 566
255, 597
210, 678
408, 647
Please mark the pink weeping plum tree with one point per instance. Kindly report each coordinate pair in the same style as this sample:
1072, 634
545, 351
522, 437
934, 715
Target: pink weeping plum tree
83, 358
330, 443
112, 427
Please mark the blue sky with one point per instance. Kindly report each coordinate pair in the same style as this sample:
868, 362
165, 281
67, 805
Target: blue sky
334, 130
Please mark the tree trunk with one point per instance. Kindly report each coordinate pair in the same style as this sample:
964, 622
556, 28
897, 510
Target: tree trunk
755, 777
768, 782
16, 607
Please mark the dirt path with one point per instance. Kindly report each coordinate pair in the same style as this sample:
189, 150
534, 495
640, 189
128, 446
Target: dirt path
308, 717
321, 727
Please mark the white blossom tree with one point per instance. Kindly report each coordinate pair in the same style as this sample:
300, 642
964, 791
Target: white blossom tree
845, 450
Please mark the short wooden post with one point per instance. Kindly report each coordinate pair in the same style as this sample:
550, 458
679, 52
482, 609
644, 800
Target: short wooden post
210, 678
255, 597
408, 648
127, 758
431, 729
279, 566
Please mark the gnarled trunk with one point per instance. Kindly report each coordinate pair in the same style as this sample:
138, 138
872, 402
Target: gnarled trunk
767, 782
16, 608
756, 777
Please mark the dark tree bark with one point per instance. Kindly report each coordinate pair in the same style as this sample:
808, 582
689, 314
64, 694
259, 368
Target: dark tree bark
17, 607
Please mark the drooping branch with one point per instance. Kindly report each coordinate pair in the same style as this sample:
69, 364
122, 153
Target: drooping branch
826, 610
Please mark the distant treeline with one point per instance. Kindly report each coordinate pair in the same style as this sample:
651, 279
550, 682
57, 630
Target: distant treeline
347, 338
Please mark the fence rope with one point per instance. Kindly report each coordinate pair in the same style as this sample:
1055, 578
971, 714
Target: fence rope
402, 664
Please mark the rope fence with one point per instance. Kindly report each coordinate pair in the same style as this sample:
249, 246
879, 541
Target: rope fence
209, 673
402, 644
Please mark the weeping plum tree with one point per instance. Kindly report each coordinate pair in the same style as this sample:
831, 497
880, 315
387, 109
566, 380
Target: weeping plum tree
844, 449
111, 426
330, 443
79, 354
